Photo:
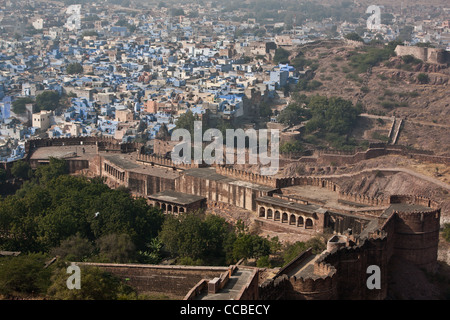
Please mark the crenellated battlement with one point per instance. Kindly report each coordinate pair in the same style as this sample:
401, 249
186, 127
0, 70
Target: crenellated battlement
323, 269
364, 199
103, 143
252, 177
414, 199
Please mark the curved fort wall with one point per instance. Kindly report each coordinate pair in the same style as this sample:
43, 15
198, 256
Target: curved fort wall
323, 287
417, 230
351, 265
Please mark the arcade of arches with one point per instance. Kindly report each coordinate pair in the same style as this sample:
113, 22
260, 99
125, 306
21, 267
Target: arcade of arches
169, 208
285, 215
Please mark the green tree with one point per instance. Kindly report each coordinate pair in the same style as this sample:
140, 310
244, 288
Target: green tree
265, 111
19, 105
177, 12
281, 56
291, 147
74, 248
95, 285
353, 36
446, 232
423, 78
332, 115
55, 168
264, 262
76, 67
196, 237
294, 114
21, 169
186, 121
292, 250
2, 175
116, 248
48, 100
24, 275
250, 246
41, 215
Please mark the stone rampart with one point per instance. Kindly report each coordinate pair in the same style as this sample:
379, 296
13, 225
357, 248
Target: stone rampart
163, 161
174, 280
108, 144
430, 55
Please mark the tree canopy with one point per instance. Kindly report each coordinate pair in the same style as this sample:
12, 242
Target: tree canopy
54, 206
19, 105
48, 100
281, 56
331, 115
76, 67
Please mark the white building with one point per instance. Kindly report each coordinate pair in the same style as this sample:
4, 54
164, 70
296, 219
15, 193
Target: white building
41, 120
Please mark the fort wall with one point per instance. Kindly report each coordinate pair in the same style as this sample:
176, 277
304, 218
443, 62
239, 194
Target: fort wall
322, 288
417, 237
157, 160
107, 144
275, 289
431, 55
337, 158
354, 261
408, 229
173, 280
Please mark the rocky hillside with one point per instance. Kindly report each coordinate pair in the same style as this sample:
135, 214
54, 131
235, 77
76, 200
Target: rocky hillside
410, 89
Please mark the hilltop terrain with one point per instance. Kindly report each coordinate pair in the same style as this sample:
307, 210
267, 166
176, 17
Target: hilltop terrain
390, 88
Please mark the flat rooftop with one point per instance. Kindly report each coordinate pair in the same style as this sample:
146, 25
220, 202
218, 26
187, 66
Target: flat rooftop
65, 152
308, 208
176, 197
127, 161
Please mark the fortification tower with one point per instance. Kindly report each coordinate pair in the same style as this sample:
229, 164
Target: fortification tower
417, 223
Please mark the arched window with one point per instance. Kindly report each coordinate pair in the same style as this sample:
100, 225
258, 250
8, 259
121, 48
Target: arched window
284, 218
277, 216
163, 207
300, 221
308, 224
169, 208
269, 214
292, 219
262, 212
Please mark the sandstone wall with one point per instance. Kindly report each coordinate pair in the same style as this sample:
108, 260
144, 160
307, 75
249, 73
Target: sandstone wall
174, 280
431, 55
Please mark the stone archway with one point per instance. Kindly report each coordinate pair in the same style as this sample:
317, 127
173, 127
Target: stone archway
300, 221
308, 223
269, 214
284, 217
